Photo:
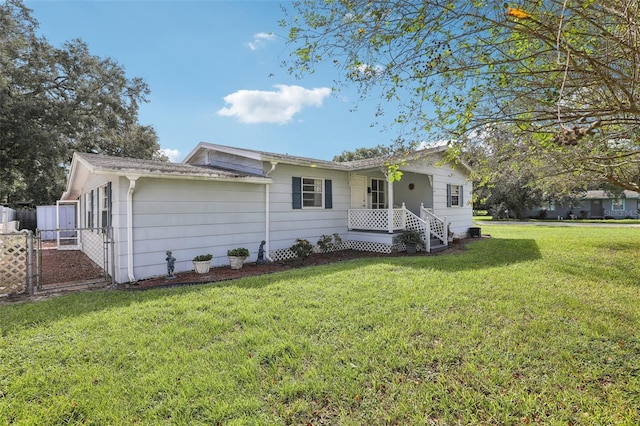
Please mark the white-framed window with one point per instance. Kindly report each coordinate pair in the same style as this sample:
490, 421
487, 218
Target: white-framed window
618, 204
104, 206
378, 195
454, 195
89, 209
312, 192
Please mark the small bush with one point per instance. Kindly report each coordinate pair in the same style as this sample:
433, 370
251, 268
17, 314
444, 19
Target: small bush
328, 243
203, 257
302, 249
238, 252
411, 237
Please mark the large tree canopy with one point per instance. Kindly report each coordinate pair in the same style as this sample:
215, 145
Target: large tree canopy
54, 101
564, 74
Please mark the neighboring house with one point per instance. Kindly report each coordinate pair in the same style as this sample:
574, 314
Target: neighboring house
222, 197
597, 204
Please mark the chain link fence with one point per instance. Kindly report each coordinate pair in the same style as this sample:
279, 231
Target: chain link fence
73, 258
55, 259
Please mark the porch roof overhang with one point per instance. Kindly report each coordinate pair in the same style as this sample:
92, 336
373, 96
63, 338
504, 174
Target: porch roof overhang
84, 165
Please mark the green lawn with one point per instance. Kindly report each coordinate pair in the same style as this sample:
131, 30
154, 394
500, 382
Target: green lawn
536, 325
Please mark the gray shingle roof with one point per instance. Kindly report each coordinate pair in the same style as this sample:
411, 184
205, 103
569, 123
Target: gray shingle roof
600, 194
346, 165
123, 165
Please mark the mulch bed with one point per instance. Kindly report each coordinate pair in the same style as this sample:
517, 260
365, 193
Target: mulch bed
63, 266
224, 273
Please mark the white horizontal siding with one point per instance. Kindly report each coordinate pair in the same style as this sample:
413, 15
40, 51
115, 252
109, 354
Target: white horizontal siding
192, 217
287, 224
187, 218
460, 218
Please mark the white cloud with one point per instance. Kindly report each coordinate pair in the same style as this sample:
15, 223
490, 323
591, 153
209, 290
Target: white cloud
173, 154
260, 39
257, 106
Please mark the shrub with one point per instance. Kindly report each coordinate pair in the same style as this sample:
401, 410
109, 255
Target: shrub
302, 249
410, 237
203, 257
328, 243
238, 252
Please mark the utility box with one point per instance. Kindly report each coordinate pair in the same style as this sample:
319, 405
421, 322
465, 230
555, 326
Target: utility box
474, 232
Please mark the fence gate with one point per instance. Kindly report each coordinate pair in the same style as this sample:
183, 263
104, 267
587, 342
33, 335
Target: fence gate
74, 258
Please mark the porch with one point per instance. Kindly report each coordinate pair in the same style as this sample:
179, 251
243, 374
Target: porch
375, 229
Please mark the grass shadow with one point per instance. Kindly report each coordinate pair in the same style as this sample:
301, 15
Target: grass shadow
488, 253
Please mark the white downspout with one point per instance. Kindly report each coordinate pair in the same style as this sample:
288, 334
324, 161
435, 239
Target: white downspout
266, 222
132, 186
267, 213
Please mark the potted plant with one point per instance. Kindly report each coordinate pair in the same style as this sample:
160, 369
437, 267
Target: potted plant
202, 263
411, 239
237, 257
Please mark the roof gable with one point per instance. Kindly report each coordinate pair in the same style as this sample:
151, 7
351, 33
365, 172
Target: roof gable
85, 164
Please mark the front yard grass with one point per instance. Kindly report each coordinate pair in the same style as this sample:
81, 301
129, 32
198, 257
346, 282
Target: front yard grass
536, 325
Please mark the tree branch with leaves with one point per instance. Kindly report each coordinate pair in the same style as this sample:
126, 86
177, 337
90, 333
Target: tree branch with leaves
565, 75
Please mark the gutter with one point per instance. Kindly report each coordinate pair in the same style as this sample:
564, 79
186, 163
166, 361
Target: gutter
132, 187
267, 212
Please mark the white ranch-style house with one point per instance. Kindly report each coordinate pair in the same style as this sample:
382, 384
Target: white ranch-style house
222, 197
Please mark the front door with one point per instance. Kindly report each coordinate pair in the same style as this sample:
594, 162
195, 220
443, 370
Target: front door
358, 192
596, 208
378, 194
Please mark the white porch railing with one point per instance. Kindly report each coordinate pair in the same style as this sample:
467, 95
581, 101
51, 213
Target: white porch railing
414, 223
439, 227
376, 219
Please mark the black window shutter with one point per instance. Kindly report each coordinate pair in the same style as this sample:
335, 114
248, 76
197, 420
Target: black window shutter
328, 196
296, 185
461, 189
448, 195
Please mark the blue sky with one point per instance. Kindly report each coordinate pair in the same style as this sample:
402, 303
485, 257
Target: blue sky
214, 69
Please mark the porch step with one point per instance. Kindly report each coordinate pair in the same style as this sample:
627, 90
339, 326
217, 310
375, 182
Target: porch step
438, 247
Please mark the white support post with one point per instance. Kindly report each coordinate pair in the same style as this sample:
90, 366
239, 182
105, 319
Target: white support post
446, 231
427, 236
404, 216
390, 207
